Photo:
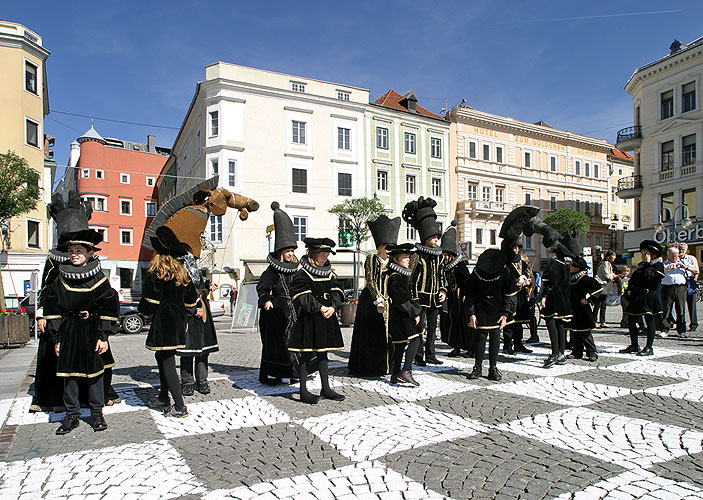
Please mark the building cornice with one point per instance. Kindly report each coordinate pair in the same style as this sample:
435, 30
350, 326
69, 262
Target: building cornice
538, 182
406, 115
21, 42
299, 156
694, 50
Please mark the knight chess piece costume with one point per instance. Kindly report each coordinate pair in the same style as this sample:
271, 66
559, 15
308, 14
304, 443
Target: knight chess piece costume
583, 289
369, 353
276, 322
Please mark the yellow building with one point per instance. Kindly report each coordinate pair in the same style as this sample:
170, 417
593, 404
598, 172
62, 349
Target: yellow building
23, 105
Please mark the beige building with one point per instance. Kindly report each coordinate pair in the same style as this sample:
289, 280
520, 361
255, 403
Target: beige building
501, 163
23, 105
668, 126
621, 212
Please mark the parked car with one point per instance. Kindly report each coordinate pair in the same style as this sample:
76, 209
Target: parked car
217, 308
131, 320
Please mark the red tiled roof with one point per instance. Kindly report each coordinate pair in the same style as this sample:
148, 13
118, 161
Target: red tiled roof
391, 99
621, 154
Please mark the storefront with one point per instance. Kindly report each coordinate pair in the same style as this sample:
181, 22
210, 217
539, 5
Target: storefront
693, 236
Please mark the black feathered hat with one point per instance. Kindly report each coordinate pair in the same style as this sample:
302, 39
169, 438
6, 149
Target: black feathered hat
537, 225
72, 222
284, 229
421, 215
165, 242
384, 230
654, 247
490, 264
320, 245
571, 240
403, 248
448, 243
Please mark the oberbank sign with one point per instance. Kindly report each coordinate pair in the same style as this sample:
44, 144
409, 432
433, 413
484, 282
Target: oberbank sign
694, 233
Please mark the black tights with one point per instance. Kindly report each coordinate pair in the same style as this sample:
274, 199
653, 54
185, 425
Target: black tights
166, 360
493, 337
324, 373
557, 335
651, 323
398, 349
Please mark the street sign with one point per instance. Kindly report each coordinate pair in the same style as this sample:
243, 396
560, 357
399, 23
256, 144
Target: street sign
270, 228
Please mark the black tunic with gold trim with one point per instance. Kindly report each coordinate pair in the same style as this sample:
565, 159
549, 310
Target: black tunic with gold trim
489, 299
524, 310
312, 288
369, 355
427, 279
454, 324
79, 289
582, 286
402, 309
642, 289
201, 338
170, 305
555, 287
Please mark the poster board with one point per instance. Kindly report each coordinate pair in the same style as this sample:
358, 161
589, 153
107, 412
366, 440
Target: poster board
589, 259
246, 308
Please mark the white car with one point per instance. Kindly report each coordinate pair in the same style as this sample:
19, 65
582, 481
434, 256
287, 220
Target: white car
217, 308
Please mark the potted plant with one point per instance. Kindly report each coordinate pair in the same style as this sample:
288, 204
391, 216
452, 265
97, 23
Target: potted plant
14, 327
349, 311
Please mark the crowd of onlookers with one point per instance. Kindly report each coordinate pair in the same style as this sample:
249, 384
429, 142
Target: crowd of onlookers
677, 291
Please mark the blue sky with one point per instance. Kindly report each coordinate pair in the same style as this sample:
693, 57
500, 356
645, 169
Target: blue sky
562, 62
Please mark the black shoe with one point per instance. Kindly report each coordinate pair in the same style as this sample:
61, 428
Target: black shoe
419, 362
454, 353
434, 361
549, 362
560, 360
467, 354
394, 378
632, 349
187, 389
99, 423
203, 388
522, 349
573, 356
508, 350
532, 340
647, 351
176, 412
157, 404
475, 373
67, 425
591, 356
334, 396
309, 398
270, 381
494, 374
406, 376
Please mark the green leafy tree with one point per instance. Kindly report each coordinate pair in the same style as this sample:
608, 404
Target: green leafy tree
354, 215
565, 219
19, 194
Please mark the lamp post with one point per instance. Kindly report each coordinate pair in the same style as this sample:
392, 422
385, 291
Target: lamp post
685, 221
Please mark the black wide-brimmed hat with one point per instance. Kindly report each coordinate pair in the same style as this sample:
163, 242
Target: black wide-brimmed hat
320, 245
580, 262
89, 238
448, 243
490, 264
164, 242
384, 230
654, 247
403, 248
284, 229
421, 215
562, 251
72, 222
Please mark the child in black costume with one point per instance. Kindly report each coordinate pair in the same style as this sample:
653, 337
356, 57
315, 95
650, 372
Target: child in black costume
555, 304
454, 325
581, 290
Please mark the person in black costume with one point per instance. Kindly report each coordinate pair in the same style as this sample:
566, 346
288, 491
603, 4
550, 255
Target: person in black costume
583, 290
454, 323
428, 273
317, 297
642, 297
277, 317
490, 300
170, 297
81, 310
369, 353
524, 309
403, 313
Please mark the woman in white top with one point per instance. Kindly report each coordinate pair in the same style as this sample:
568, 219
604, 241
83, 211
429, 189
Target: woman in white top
605, 276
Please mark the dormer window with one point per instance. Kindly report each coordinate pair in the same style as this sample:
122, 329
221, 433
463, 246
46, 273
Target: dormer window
410, 102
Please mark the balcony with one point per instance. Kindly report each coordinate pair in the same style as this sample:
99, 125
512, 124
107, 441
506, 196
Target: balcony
629, 138
629, 187
487, 209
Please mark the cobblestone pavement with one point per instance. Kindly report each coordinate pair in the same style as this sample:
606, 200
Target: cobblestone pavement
620, 428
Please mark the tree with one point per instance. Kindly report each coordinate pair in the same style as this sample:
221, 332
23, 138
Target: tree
354, 214
565, 219
19, 194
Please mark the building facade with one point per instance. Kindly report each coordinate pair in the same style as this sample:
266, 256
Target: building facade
501, 163
621, 212
24, 103
668, 128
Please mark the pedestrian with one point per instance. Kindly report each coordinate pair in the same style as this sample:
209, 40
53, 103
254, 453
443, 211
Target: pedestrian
521, 273
427, 280
120, 294
583, 290
81, 310
232, 300
170, 298
404, 322
490, 298
674, 290
454, 327
369, 353
692, 275
605, 276
317, 296
277, 317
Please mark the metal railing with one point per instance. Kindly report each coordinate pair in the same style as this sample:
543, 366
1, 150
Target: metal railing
628, 133
632, 182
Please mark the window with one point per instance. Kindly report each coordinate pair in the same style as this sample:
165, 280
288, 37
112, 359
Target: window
436, 187
493, 235
214, 167
124, 178
619, 171
343, 95
528, 198
344, 138
126, 237
598, 209
596, 170
409, 143
103, 233
85, 173
688, 97
125, 207
528, 242
553, 163
486, 152
99, 174
297, 87
499, 154
232, 172
436, 147
552, 202
150, 181
528, 160
344, 184
150, 208
99, 204
577, 205
626, 227
486, 193
577, 168
298, 132
587, 209
410, 186
381, 138
214, 123
688, 150
382, 180
300, 180
587, 169
666, 206
667, 155
500, 195
479, 236
409, 232
216, 228
613, 194
688, 198
32, 133
30, 77
300, 225
472, 192
32, 234
667, 104
472, 150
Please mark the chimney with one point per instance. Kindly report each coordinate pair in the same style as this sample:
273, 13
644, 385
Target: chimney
151, 143
75, 154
